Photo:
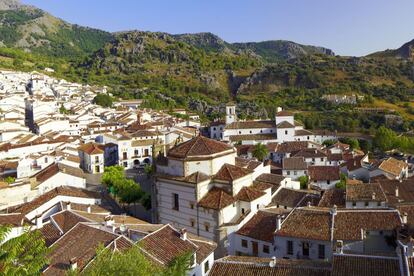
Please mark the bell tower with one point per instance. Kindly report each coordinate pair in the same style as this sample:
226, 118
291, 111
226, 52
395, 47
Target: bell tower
230, 113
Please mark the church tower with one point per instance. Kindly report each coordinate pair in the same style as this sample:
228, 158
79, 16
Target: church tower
230, 113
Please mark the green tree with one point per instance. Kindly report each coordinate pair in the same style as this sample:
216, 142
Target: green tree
303, 181
328, 143
149, 170
352, 142
385, 139
260, 151
342, 183
111, 175
103, 100
23, 255
133, 262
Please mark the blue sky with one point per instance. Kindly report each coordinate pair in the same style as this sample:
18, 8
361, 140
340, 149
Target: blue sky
349, 27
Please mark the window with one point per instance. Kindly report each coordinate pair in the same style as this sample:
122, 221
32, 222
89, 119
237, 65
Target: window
289, 247
288, 172
250, 132
146, 152
321, 251
192, 205
192, 222
366, 203
206, 266
125, 155
214, 128
96, 159
313, 159
353, 204
266, 249
125, 164
136, 152
239, 132
176, 205
244, 243
46, 159
242, 211
257, 206
328, 182
322, 159
286, 132
295, 172
207, 227
378, 203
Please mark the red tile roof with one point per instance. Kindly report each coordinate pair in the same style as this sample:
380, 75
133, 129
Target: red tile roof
165, 244
345, 265
261, 226
216, 199
248, 194
198, 146
319, 173
230, 173
92, 148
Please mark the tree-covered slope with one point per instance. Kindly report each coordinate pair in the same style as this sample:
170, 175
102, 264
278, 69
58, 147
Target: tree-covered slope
31, 29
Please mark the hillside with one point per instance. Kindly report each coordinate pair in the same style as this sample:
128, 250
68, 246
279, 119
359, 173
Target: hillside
406, 51
31, 29
202, 71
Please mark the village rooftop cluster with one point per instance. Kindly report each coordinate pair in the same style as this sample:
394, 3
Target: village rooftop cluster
307, 208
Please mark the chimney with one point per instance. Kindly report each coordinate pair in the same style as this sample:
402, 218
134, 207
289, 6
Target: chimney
39, 222
309, 204
73, 263
109, 221
68, 206
404, 218
396, 191
333, 210
373, 195
89, 209
278, 222
183, 234
272, 263
339, 247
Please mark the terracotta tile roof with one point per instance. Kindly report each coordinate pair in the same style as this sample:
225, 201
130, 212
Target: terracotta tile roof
50, 233
340, 145
349, 223
216, 199
249, 194
310, 153
230, 173
47, 173
252, 266
335, 157
84, 207
271, 178
262, 186
294, 163
81, 243
307, 223
365, 192
345, 265
405, 191
323, 173
59, 191
205, 247
12, 219
92, 148
302, 132
333, 197
288, 147
354, 163
250, 164
288, 197
196, 177
409, 210
198, 146
66, 220
261, 226
251, 124
284, 113
165, 244
118, 219
285, 124
393, 166
253, 137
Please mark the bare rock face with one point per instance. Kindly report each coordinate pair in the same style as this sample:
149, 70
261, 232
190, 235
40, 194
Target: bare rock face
9, 5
